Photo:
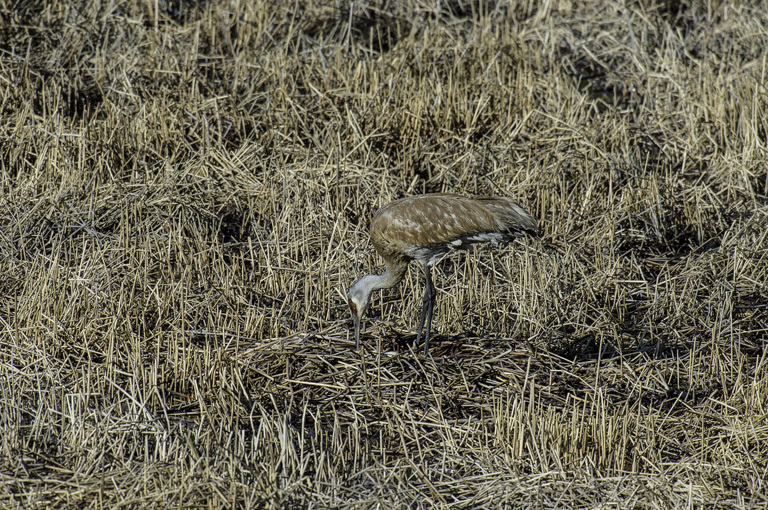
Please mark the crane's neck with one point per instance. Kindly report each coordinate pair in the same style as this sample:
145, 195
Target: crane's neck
391, 277
361, 290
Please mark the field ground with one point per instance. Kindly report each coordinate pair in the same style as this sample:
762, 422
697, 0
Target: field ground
185, 193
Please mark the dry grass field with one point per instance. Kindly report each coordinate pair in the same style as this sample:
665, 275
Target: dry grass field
185, 193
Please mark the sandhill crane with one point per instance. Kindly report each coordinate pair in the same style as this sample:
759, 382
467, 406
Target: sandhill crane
426, 227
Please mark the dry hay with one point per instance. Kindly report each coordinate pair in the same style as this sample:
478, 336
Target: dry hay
185, 192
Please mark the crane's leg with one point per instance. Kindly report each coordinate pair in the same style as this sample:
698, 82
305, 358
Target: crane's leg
427, 305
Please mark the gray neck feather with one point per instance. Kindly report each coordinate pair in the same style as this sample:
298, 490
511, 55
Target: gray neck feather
387, 280
391, 277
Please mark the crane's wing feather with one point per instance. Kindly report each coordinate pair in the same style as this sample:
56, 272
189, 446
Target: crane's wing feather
442, 221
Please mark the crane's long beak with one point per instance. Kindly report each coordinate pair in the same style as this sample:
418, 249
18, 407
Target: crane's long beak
356, 319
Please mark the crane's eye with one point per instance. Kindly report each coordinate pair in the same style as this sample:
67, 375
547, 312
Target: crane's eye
352, 306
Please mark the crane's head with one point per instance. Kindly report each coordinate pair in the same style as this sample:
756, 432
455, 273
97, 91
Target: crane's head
359, 298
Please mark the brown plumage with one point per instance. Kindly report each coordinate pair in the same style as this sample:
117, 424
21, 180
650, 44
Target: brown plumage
426, 227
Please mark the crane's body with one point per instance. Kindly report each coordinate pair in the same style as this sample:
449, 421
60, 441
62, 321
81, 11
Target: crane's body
426, 227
